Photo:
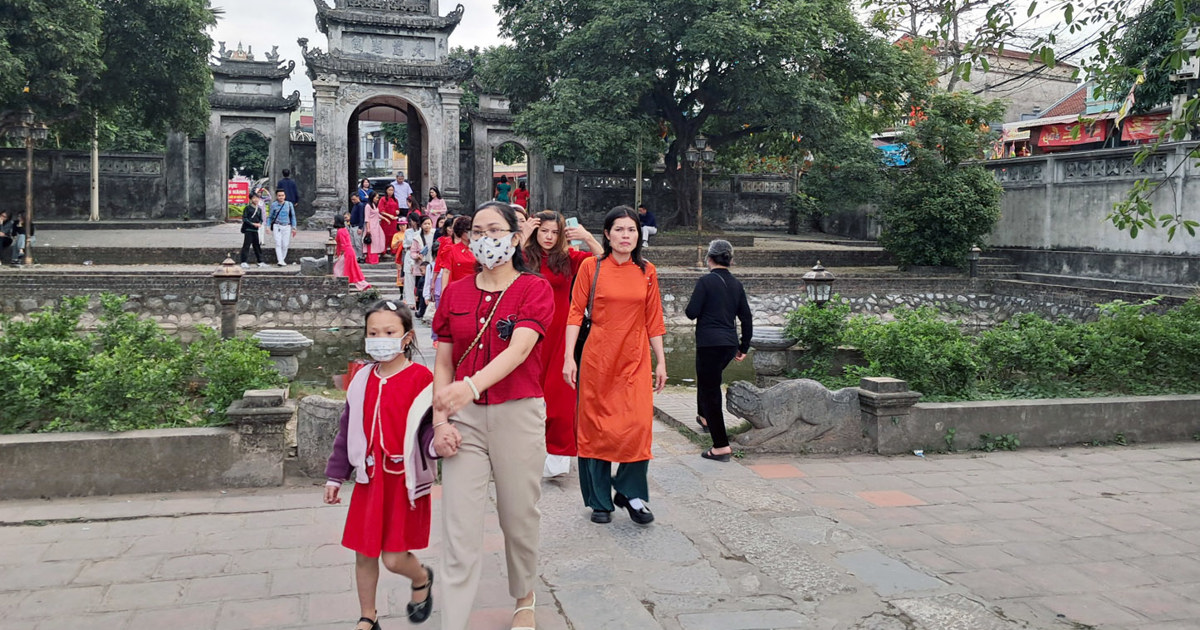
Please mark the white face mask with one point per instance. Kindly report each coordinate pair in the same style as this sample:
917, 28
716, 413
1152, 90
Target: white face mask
493, 252
384, 349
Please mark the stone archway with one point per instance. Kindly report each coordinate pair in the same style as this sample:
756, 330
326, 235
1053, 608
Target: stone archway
491, 127
247, 96
386, 52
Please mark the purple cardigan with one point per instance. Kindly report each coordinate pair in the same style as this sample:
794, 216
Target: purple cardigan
423, 468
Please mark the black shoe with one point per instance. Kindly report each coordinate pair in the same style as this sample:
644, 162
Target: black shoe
642, 517
703, 426
418, 612
374, 622
601, 516
709, 454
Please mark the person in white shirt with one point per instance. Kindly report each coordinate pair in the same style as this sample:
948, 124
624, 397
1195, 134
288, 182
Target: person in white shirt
403, 191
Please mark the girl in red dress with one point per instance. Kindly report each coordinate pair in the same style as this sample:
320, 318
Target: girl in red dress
377, 440
548, 252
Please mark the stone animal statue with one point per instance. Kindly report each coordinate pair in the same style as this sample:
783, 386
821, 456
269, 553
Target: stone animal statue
797, 416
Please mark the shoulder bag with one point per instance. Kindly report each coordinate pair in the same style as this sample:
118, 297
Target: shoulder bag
585, 327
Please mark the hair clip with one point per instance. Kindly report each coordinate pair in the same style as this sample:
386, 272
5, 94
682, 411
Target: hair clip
391, 305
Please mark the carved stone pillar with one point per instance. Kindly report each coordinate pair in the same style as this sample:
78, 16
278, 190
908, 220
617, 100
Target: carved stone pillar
330, 136
450, 177
886, 404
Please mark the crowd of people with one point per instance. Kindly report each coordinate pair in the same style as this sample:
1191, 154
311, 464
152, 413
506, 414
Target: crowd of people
549, 349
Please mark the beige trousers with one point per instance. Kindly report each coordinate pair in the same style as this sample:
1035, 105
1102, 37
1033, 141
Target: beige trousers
507, 443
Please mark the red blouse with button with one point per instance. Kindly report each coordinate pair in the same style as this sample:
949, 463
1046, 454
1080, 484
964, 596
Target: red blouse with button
528, 303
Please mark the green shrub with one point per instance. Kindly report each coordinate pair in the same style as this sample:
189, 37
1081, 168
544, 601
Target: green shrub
934, 356
936, 213
128, 374
1028, 348
818, 329
236, 210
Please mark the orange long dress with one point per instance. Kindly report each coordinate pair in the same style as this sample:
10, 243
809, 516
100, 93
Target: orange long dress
616, 388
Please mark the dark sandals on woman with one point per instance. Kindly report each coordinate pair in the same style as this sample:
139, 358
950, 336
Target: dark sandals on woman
418, 612
719, 457
374, 623
703, 426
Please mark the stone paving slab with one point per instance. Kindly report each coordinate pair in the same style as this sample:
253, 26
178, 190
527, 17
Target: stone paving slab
863, 542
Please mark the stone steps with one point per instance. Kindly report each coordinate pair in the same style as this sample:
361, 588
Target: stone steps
1083, 282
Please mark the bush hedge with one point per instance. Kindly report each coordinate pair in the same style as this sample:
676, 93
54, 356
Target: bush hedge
1131, 349
127, 374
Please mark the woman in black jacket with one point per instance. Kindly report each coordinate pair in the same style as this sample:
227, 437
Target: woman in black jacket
717, 299
252, 218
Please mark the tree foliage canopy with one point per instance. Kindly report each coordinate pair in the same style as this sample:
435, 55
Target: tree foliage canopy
1148, 45
588, 78
248, 153
143, 64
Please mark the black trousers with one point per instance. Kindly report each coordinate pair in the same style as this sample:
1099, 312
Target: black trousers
251, 239
419, 290
710, 363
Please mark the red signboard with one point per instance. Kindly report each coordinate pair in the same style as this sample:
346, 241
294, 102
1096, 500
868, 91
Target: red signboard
239, 193
1142, 127
1069, 134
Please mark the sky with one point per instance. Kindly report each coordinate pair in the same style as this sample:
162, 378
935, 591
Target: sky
262, 24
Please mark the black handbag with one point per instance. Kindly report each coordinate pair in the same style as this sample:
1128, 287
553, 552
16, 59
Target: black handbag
585, 327
367, 238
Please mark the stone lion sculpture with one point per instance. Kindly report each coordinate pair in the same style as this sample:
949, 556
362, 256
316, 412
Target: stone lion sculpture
797, 416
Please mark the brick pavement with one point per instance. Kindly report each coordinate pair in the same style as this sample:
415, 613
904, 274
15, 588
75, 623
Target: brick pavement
1074, 538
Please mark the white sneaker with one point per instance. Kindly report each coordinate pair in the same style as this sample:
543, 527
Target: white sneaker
245, 266
262, 264
281, 264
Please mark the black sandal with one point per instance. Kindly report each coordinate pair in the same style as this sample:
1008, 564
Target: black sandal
418, 612
374, 623
709, 454
701, 421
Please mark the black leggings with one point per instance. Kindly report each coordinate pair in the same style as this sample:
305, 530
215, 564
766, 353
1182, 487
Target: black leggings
710, 363
248, 239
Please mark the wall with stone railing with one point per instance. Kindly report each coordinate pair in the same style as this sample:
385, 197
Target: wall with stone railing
1061, 201
183, 300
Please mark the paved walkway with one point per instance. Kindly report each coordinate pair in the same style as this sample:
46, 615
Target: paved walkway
1106, 538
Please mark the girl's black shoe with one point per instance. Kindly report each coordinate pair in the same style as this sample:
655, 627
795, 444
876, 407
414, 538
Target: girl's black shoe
374, 622
418, 612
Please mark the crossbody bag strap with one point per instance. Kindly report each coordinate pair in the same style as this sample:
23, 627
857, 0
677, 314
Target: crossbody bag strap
486, 323
592, 295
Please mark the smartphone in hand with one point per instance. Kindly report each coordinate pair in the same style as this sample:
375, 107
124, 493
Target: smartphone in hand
571, 223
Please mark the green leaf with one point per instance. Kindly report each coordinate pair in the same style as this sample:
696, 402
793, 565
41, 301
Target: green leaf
1032, 8
1069, 13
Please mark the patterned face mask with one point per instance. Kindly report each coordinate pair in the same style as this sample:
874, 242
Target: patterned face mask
493, 252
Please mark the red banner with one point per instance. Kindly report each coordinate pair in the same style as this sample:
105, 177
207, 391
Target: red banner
239, 193
1069, 134
1142, 127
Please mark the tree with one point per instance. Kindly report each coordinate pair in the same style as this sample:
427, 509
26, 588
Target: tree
248, 153
49, 55
509, 153
396, 134
1148, 45
588, 79
941, 205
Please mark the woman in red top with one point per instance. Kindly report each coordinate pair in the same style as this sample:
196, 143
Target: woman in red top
389, 209
521, 196
458, 260
548, 252
488, 413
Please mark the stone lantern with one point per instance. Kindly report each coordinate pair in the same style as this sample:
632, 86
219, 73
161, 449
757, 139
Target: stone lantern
229, 285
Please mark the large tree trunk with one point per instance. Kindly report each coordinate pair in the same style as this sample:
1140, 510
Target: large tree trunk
683, 179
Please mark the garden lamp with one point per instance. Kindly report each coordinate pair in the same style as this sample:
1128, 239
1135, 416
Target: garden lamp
973, 257
330, 250
818, 283
229, 284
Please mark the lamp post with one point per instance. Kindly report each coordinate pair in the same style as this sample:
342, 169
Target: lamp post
973, 258
818, 283
23, 125
229, 284
330, 250
697, 156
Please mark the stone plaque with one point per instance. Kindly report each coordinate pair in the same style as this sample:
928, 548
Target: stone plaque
767, 186
412, 6
116, 166
416, 49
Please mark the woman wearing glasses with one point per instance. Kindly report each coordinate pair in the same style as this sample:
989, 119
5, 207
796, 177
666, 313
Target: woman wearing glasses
489, 414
